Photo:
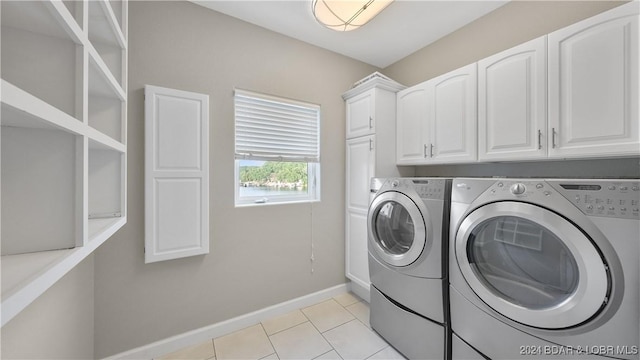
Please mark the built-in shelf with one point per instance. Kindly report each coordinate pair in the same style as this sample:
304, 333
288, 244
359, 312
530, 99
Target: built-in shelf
22, 109
63, 117
107, 37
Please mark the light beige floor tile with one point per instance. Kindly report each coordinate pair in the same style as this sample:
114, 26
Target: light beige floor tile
300, 342
331, 355
354, 340
361, 311
388, 354
327, 315
283, 322
202, 351
249, 343
346, 299
273, 356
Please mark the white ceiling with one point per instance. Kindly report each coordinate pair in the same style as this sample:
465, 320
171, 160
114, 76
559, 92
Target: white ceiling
402, 28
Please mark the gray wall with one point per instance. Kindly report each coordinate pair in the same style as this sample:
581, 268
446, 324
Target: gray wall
259, 255
509, 25
59, 324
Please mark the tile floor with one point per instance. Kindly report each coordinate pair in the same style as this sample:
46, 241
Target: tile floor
334, 329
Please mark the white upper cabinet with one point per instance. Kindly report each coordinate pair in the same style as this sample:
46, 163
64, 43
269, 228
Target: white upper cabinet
512, 106
412, 124
436, 121
593, 86
360, 114
454, 116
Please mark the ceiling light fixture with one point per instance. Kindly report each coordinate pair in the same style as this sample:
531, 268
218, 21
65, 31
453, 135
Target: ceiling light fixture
347, 15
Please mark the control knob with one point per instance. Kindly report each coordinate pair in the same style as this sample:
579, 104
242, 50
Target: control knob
517, 189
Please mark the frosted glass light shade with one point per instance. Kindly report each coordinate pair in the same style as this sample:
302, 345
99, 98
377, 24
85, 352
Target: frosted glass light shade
347, 15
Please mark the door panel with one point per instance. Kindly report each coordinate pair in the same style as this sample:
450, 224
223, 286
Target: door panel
454, 116
176, 174
512, 106
412, 121
593, 84
360, 110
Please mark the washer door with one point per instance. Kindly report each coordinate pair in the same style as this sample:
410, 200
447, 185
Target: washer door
396, 227
531, 265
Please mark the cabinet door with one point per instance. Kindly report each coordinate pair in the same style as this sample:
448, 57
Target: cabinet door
360, 169
453, 117
357, 253
176, 174
593, 86
512, 106
360, 114
411, 124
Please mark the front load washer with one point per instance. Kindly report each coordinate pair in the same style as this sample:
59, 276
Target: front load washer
407, 224
546, 269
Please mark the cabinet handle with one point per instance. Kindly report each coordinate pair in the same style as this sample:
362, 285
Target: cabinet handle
370, 144
370, 122
539, 139
431, 150
424, 151
553, 138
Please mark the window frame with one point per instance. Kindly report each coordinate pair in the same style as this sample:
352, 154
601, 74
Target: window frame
313, 167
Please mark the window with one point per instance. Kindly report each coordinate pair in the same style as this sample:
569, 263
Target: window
277, 149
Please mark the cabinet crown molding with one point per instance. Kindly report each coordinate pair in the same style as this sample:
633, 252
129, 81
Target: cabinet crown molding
375, 80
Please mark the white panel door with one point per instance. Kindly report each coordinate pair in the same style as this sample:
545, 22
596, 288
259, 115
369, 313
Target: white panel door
412, 109
176, 174
593, 86
360, 110
360, 167
357, 252
453, 117
512, 103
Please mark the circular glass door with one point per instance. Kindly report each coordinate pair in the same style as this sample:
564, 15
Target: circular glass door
531, 265
397, 232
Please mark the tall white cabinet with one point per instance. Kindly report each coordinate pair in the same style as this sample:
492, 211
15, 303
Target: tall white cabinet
370, 152
63, 146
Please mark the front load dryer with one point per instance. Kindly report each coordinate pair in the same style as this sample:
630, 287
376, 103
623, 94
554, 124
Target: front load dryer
546, 269
407, 223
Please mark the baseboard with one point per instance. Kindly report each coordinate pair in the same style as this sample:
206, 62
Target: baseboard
361, 289
197, 336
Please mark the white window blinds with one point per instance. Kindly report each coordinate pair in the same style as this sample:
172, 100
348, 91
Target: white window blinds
275, 129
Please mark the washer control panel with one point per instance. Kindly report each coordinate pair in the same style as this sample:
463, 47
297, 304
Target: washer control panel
426, 188
429, 188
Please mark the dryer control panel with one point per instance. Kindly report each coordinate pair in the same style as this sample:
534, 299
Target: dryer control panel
607, 198
594, 197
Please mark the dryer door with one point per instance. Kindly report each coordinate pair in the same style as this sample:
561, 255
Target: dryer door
531, 265
396, 228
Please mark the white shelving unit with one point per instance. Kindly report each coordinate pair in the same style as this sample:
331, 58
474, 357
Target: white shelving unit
63, 114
